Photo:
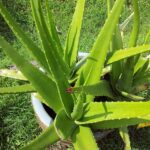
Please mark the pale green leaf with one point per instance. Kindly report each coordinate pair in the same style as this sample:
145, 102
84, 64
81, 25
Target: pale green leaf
109, 113
124, 24
27, 88
12, 73
125, 137
125, 53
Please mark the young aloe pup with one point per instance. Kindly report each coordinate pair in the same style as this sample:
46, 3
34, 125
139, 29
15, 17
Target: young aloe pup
76, 105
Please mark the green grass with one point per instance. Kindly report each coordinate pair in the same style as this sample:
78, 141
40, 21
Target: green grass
17, 122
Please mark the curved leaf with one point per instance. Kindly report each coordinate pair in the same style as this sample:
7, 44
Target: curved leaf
48, 137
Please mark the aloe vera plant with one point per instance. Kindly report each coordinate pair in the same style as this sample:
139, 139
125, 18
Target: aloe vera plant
127, 69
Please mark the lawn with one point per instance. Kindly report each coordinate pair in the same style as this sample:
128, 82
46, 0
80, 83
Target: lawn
17, 122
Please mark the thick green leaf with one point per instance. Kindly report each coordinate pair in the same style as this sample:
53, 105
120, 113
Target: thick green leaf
136, 24
140, 63
53, 30
101, 88
24, 39
66, 128
53, 59
95, 62
45, 86
27, 88
48, 137
116, 43
128, 69
109, 112
45, 35
78, 107
118, 123
12, 73
81, 138
125, 53
72, 41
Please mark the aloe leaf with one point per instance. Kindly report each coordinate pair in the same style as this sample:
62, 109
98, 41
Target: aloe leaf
45, 36
130, 96
125, 137
115, 114
140, 63
38, 79
124, 24
118, 123
81, 137
78, 107
125, 53
147, 38
143, 71
136, 24
128, 70
64, 130
47, 137
101, 88
101, 47
11, 73
27, 88
53, 61
23, 38
72, 41
53, 30
114, 46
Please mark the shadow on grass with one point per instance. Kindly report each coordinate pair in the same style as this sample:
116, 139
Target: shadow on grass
140, 140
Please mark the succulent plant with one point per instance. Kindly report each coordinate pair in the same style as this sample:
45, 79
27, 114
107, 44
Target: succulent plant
69, 86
